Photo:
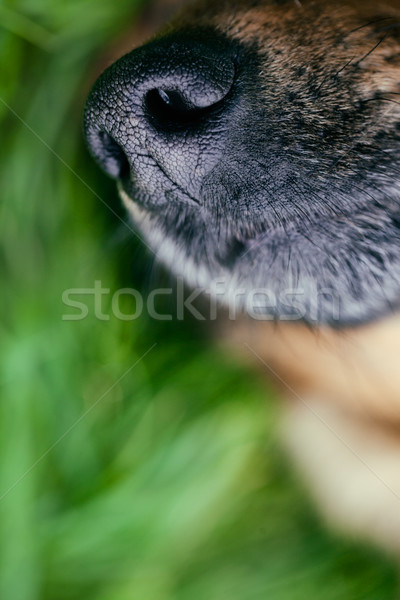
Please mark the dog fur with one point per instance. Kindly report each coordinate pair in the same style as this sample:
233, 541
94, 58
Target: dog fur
297, 193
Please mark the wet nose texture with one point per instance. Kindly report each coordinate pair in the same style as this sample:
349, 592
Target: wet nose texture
162, 106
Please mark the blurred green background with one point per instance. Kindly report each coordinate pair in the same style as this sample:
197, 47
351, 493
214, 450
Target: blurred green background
125, 477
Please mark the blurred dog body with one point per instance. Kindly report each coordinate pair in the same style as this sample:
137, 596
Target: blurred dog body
298, 188
340, 421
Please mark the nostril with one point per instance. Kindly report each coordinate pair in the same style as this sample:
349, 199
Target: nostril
109, 153
171, 110
114, 154
173, 100
147, 101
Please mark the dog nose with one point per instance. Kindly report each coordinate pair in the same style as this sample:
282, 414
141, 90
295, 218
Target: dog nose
158, 104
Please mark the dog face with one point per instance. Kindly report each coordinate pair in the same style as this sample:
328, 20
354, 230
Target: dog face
256, 143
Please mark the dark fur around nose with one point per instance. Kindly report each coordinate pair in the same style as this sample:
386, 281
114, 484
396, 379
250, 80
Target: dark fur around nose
157, 108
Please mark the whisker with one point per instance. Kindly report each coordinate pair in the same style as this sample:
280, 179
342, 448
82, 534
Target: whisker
381, 98
371, 51
368, 25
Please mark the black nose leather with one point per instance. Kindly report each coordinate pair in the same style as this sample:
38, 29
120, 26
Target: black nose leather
162, 104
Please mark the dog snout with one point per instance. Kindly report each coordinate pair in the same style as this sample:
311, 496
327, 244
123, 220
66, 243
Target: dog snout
159, 108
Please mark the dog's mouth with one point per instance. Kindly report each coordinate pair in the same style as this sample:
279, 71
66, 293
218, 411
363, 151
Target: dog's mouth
343, 270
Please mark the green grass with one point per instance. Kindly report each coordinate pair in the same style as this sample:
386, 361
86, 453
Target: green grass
162, 482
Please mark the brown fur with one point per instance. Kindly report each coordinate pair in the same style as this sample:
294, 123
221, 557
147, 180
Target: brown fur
357, 369
297, 36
